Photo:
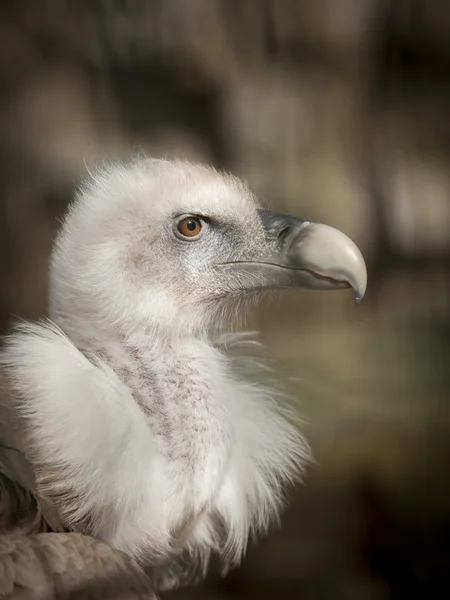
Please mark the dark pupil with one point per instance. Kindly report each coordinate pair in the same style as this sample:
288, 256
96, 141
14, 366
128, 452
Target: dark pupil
191, 225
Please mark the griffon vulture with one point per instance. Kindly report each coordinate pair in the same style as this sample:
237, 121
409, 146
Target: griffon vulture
132, 423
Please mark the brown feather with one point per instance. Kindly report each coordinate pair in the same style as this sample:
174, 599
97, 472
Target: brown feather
68, 566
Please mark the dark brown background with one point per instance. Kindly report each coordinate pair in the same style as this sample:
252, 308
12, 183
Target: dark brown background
334, 110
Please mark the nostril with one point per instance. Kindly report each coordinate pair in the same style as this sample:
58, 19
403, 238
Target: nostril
283, 231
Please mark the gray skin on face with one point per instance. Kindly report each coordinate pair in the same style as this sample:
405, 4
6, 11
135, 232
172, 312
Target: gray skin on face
276, 252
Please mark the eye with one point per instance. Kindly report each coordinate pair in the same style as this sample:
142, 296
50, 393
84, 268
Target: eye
189, 227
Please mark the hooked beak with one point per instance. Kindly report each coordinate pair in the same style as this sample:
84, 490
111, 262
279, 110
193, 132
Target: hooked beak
302, 254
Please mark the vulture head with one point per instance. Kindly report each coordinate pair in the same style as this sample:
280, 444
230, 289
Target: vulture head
177, 246
133, 424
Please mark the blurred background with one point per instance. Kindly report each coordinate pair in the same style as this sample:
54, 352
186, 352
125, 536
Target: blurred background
332, 110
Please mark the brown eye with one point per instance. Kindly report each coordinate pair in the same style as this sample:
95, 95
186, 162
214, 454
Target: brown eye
189, 227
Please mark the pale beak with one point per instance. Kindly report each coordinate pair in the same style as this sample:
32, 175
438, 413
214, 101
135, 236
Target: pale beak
304, 255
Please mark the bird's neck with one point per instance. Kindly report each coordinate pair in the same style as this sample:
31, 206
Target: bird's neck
93, 334
152, 349
151, 360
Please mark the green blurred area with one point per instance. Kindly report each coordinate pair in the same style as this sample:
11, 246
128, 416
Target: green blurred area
333, 111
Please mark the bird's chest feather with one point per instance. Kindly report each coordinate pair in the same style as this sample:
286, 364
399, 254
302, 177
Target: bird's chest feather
180, 392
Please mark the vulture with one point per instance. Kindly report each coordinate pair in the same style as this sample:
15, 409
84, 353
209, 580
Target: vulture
125, 417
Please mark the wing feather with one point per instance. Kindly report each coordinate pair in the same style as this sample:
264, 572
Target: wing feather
63, 565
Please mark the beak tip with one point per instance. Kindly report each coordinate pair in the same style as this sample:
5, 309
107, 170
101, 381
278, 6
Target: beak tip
360, 292
358, 298
359, 282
